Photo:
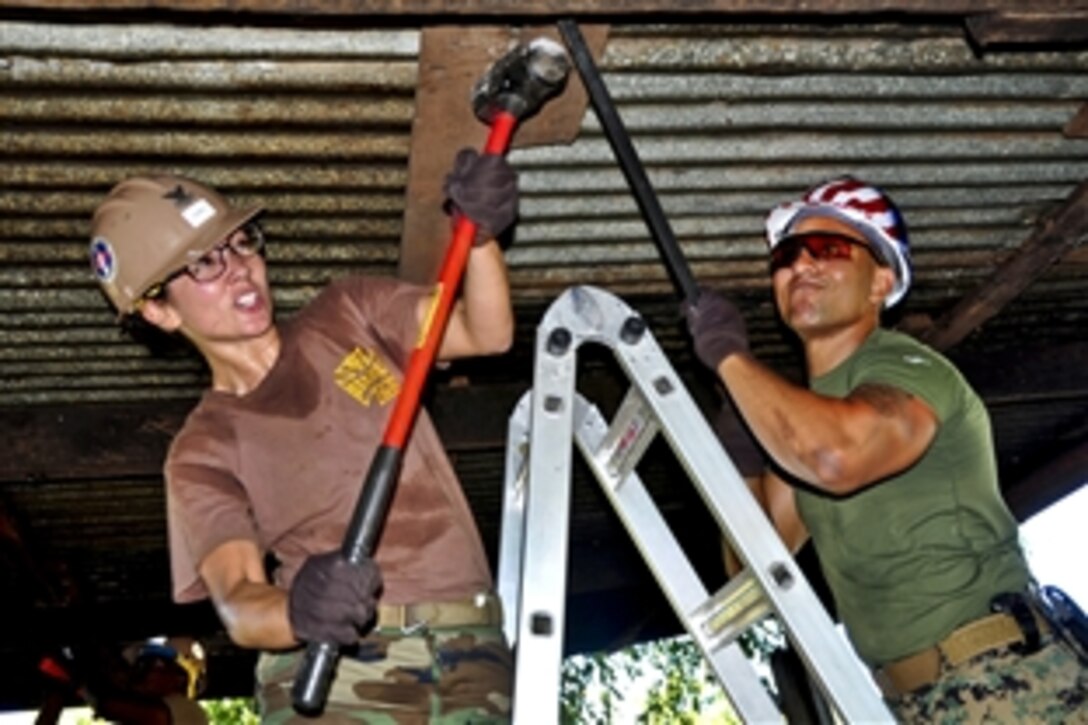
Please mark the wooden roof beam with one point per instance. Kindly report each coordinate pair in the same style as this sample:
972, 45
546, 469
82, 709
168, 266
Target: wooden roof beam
1032, 27
555, 8
1054, 236
1078, 125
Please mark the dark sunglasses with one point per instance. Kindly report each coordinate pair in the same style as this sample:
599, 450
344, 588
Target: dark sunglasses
821, 246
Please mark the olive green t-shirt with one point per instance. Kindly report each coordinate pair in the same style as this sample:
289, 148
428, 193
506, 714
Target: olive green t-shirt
913, 557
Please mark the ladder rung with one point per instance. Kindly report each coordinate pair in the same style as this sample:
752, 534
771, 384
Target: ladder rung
731, 611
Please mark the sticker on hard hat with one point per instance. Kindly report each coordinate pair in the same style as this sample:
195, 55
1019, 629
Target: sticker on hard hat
194, 211
198, 212
103, 260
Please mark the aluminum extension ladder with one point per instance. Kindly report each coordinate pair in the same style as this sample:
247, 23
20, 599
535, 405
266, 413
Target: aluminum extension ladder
536, 508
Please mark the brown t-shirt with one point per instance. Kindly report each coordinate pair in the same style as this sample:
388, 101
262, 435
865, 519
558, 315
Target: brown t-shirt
284, 464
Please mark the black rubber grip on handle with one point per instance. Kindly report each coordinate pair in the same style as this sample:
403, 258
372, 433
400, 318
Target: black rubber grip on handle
311, 687
373, 504
630, 164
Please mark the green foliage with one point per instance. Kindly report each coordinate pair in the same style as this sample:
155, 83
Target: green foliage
685, 689
590, 687
670, 674
235, 711
761, 639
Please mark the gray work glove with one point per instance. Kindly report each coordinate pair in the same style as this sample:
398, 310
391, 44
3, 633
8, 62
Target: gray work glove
716, 326
483, 188
332, 600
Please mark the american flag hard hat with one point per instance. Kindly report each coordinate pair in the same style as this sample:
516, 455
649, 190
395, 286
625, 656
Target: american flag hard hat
865, 207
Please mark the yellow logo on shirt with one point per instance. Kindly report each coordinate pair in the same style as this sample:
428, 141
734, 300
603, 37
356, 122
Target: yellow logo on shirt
365, 377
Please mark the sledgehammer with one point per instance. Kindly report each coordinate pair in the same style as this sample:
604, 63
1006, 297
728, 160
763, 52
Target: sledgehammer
511, 90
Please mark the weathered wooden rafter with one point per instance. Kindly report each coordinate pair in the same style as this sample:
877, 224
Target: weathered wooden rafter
1078, 125
521, 8
1018, 27
107, 442
1054, 237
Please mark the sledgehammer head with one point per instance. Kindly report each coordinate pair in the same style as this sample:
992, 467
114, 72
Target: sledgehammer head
520, 81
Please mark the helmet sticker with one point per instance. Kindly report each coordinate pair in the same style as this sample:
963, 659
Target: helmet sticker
198, 212
193, 211
103, 260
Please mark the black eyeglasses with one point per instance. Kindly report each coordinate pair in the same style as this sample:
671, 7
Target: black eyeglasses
821, 246
210, 266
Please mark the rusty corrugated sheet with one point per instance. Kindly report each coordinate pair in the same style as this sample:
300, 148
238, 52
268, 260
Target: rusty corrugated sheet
315, 124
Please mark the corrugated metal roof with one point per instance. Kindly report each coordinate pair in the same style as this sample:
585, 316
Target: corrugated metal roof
314, 124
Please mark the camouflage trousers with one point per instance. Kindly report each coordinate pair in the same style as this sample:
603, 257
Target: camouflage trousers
1049, 686
442, 676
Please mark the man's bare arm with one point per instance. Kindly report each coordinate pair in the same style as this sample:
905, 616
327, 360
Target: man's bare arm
838, 445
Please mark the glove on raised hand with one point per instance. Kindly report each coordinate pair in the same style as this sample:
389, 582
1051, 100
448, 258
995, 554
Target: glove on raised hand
717, 328
332, 600
483, 188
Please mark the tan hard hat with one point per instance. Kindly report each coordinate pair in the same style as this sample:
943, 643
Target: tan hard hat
151, 226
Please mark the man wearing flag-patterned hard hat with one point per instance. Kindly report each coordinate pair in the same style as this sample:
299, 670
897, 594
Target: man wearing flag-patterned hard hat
886, 461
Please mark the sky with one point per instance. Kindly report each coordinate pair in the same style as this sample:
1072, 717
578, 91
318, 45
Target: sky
1052, 539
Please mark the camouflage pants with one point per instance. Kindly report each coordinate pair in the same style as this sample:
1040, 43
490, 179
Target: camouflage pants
1050, 686
442, 676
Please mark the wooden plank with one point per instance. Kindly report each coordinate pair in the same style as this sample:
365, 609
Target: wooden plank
451, 60
1078, 125
113, 441
1054, 237
119, 441
86, 442
512, 9
1028, 28
107, 442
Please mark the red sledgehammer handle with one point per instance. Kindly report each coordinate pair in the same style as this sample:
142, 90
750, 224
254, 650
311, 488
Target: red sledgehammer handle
311, 686
449, 278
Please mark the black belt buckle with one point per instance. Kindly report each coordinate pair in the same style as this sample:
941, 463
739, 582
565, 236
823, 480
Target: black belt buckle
1016, 605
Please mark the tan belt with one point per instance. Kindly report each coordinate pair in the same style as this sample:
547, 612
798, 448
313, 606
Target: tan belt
482, 610
923, 668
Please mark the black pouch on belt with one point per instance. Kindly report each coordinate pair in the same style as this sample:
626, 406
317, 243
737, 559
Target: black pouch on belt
1067, 619
1018, 607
